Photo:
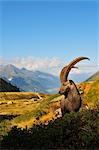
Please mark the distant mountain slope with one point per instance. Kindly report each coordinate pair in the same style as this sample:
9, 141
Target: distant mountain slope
7, 87
28, 80
94, 77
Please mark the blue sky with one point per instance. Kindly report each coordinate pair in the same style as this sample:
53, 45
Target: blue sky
46, 29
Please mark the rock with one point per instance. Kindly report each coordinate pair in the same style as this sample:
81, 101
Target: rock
10, 102
58, 113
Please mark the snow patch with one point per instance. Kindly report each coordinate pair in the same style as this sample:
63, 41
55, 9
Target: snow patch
10, 79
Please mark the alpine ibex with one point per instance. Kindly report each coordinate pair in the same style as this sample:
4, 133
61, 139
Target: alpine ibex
72, 100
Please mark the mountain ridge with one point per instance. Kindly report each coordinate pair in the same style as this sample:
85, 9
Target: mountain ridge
7, 87
37, 81
31, 81
93, 77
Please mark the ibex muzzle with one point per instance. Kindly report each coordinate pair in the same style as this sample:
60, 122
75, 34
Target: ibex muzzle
72, 100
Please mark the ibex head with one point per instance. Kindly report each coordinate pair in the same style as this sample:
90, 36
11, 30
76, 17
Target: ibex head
66, 84
65, 87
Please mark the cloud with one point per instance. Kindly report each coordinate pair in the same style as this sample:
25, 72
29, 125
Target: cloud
50, 65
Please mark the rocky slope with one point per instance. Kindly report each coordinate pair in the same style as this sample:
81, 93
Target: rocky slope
7, 87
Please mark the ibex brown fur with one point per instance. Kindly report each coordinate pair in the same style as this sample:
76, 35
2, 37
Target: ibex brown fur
72, 100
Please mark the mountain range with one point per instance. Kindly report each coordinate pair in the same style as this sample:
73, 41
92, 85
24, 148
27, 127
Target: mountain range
27, 80
37, 81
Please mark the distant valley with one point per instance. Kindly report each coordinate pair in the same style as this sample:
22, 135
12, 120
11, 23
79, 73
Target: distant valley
27, 80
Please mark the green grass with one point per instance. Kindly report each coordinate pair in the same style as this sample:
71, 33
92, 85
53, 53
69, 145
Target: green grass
39, 110
22, 106
27, 109
93, 94
36, 110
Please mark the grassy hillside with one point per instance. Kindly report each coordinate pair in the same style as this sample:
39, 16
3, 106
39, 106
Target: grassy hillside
93, 77
31, 117
92, 96
90, 93
23, 109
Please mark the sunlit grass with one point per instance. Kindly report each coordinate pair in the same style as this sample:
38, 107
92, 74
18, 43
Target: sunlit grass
92, 96
29, 109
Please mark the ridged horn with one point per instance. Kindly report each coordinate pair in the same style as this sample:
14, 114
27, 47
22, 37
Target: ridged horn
65, 71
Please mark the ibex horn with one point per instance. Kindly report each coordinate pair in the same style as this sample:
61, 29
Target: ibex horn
63, 71
67, 69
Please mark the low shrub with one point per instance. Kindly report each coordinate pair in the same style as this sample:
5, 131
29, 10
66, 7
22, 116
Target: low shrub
73, 131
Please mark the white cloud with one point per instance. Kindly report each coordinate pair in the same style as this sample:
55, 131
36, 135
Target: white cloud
51, 65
